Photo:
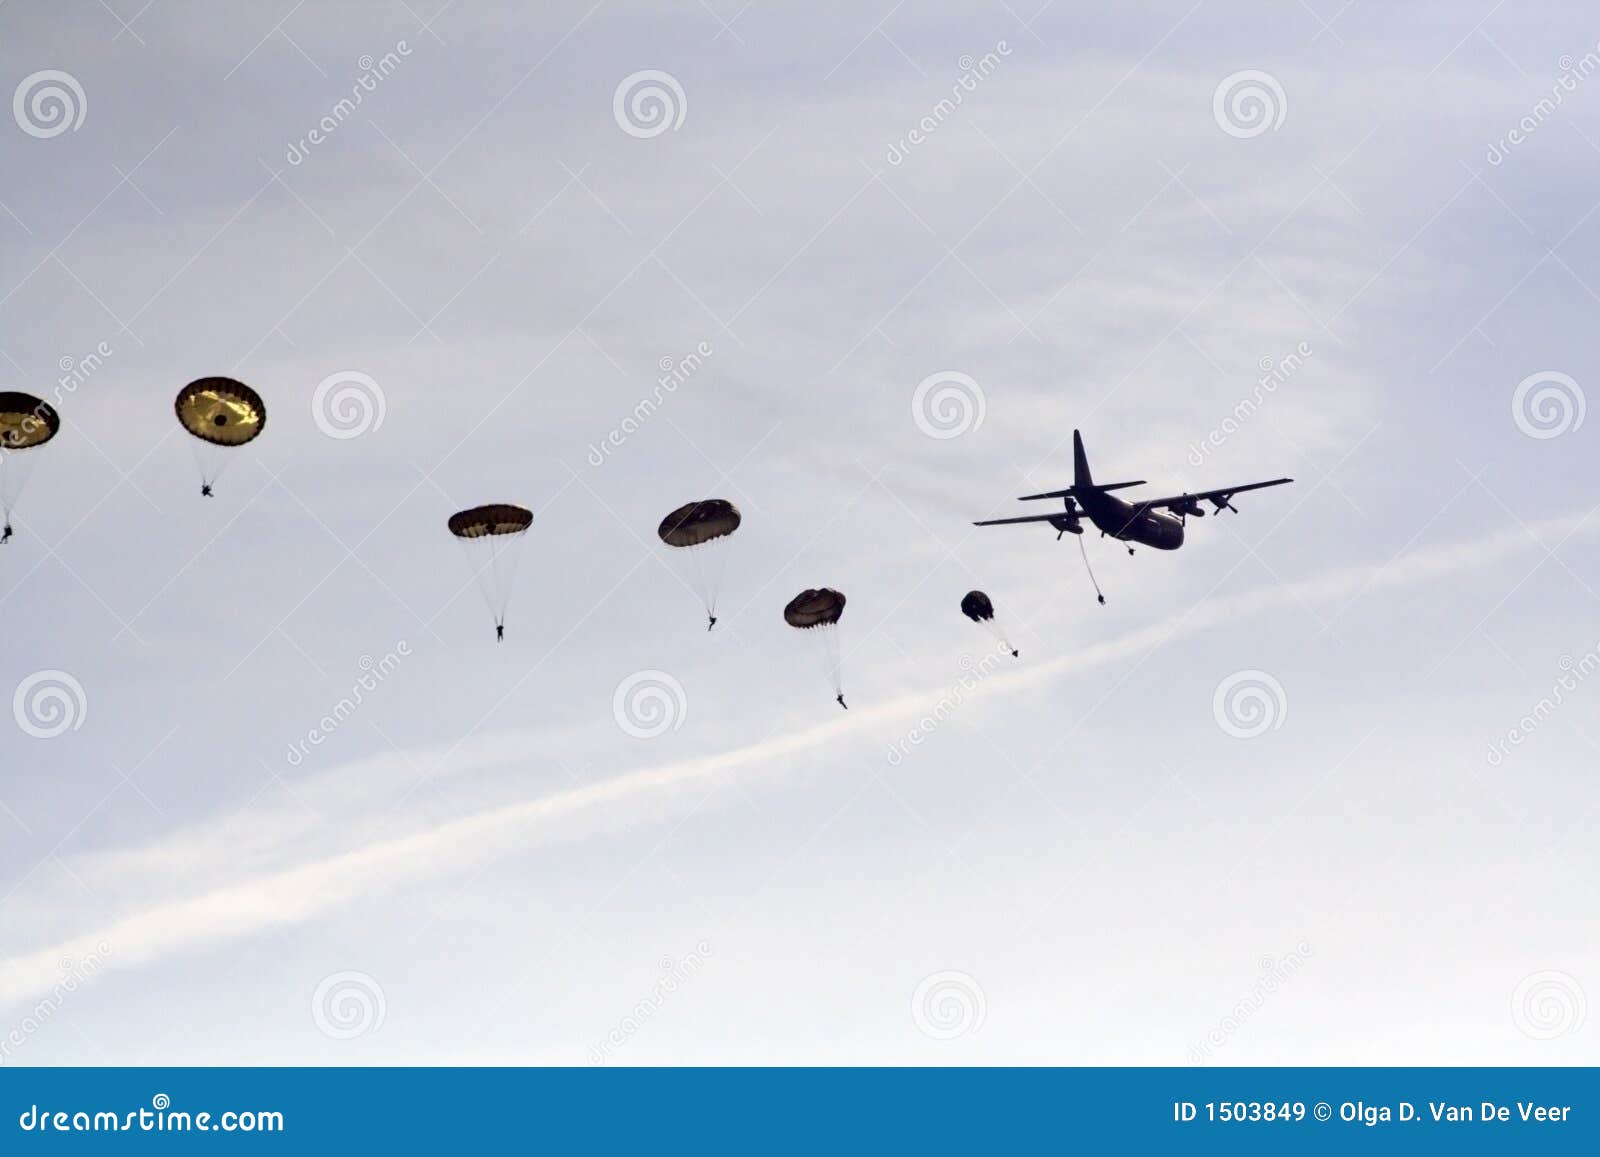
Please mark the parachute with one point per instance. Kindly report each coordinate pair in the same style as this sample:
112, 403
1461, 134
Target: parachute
223, 415
491, 537
819, 611
26, 423
977, 607
700, 531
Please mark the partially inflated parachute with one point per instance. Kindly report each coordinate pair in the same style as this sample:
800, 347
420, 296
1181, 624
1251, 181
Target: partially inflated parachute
26, 423
700, 532
818, 611
222, 414
491, 536
977, 607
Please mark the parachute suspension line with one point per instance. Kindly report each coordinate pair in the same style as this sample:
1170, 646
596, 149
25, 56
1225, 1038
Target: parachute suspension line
999, 634
1085, 552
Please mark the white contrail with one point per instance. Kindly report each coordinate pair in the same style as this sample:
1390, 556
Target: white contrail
294, 894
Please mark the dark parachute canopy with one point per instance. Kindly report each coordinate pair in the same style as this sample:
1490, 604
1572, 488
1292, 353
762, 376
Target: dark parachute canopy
697, 523
495, 519
223, 414
491, 537
814, 608
26, 423
700, 531
818, 611
978, 607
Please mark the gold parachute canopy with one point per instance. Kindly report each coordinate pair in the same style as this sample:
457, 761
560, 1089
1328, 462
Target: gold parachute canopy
818, 608
221, 411
26, 421
977, 607
495, 519
695, 523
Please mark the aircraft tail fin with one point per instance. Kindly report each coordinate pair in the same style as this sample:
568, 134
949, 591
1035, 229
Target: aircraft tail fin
1082, 480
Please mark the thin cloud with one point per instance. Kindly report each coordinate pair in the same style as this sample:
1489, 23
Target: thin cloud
297, 893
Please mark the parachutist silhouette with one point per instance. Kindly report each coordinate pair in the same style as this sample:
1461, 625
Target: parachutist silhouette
712, 623
499, 632
205, 490
1016, 654
5, 535
842, 703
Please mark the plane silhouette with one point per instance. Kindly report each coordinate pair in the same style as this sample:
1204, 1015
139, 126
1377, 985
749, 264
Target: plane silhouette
1153, 522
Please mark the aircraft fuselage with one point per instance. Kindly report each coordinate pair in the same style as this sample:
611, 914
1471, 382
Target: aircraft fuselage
1130, 523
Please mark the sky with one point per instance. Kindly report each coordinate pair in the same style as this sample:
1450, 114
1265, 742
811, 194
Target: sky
1317, 788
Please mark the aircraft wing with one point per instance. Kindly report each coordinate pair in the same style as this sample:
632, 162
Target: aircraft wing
1221, 498
1025, 518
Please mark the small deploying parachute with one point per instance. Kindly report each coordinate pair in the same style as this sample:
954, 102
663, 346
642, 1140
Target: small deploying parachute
700, 530
26, 423
491, 538
977, 607
818, 611
223, 415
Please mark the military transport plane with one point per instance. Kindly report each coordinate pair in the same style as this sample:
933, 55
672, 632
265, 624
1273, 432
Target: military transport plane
1154, 522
